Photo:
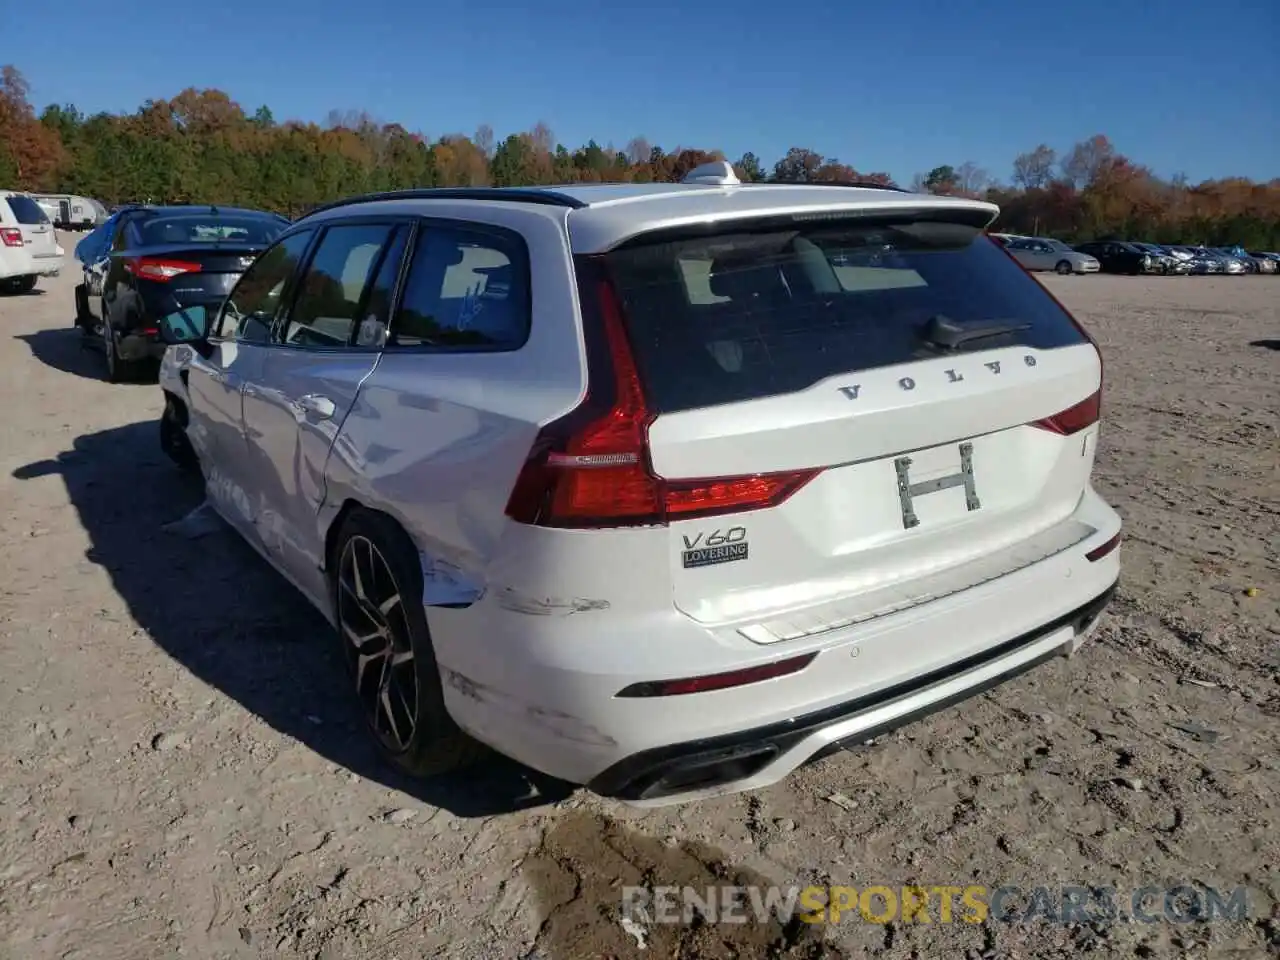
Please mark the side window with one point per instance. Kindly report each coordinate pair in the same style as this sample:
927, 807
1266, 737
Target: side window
327, 307
249, 310
468, 288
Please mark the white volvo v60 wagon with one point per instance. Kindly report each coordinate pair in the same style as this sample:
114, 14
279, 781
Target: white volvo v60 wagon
664, 489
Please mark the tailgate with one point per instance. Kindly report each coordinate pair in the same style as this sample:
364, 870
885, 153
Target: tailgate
890, 398
37, 232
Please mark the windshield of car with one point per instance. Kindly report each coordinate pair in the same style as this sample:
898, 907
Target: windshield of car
210, 228
747, 313
1058, 246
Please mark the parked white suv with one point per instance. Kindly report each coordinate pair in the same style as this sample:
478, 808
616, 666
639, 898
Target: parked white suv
632, 484
28, 244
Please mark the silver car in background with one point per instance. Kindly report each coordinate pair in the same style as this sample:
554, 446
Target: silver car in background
1043, 253
1165, 260
1201, 262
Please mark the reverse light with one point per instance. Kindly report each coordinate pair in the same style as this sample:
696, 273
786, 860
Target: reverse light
159, 268
11, 236
591, 468
718, 681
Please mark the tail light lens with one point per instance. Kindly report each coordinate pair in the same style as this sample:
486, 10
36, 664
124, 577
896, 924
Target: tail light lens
11, 236
591, 468
158, 268
1074, 419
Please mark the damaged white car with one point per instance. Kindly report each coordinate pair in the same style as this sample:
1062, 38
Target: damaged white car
665, 489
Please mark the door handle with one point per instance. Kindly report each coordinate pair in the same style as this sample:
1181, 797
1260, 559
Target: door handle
317, 405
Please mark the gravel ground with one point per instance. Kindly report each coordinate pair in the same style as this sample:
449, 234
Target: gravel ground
184, 774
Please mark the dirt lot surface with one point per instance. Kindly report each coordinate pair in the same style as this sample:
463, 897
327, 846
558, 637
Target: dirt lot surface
184, 775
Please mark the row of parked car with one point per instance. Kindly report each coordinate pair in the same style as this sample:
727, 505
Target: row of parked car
1135, 258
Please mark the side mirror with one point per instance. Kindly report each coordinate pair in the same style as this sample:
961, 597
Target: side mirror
188, 325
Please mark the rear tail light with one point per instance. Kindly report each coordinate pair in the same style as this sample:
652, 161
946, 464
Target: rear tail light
1074, 419
591, 468
11, 236
158, 268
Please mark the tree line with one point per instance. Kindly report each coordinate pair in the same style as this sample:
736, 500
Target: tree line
201, 146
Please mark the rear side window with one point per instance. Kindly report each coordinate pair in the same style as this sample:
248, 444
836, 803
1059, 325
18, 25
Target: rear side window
738, 316
467, 289
26, 211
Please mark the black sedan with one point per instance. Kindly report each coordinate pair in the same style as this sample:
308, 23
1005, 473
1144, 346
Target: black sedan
1116, 256
146, 263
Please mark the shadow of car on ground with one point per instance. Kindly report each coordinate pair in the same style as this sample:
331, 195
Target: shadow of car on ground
69, 351
220, 610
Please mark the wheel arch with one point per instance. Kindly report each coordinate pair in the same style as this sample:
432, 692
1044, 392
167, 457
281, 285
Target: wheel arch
179, 405
443, 584
349, 506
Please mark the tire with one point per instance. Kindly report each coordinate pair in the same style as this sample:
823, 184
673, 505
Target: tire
19, 285
434, 745
118, 371
173, 437
1063, 268
83, 317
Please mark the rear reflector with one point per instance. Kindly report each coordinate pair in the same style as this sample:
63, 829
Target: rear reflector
1074, 419
160, 269
1097, 553
11, 237
718, 681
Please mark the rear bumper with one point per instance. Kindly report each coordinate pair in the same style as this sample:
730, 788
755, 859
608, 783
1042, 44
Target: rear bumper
20, 263
746, 757
539, 681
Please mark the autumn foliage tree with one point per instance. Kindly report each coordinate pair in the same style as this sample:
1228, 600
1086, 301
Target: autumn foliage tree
30, 152
203, 146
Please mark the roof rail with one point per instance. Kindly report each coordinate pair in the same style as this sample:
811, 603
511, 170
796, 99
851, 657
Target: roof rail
858, 184
510, 194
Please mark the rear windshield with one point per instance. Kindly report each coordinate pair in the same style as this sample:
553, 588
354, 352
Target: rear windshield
257, 231
26, 210
738, 316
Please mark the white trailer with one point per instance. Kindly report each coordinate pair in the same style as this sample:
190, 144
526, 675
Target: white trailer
71, 212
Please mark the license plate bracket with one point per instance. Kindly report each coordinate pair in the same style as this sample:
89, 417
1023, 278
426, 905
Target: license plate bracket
908, 491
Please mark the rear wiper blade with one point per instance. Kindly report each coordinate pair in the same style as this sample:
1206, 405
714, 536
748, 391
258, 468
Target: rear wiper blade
944, 332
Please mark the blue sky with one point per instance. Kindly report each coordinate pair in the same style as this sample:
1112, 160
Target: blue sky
897, 87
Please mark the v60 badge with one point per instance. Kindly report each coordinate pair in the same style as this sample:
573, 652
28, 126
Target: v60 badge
716, 546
